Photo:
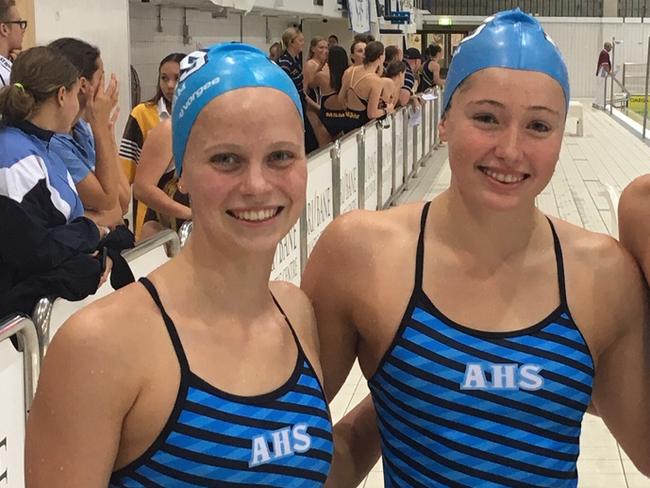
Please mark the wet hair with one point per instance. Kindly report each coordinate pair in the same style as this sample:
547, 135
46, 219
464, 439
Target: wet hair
5, 5
391, 53
312, 45
36, 76
80, 53
364, 38
289, 35
394, 68
337, 60
275, 45
170, 58
374, 49
433, 50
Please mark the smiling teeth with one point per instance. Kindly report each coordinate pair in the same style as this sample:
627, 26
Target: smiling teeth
255, 215
504, 178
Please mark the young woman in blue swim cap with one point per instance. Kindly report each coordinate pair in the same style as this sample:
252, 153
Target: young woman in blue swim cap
484, 327
202, 374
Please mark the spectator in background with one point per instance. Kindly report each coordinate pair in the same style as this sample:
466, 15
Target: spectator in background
156, 184
12, 30
317, 62
332, 41
89, 149
291, 62
275, 51
143, 118
604, 62
393, 53
357, 52
430, 73
392, 82
47, 244
412, 62
332, 110
361, 89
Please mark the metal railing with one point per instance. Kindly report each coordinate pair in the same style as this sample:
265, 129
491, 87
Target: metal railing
634, 86
24, 330
545, 8
42, 314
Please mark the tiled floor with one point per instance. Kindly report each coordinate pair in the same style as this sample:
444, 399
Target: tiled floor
607, 155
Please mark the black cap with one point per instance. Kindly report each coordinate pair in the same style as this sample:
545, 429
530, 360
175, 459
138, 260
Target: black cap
412, 53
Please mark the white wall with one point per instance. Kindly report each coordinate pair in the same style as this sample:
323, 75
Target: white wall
104, 23
148, 46
581, 40
304, 8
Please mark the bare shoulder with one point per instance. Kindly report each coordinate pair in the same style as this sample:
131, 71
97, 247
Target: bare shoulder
112, 329
295, 304
600, 252
362, 232
604, 273
633, 216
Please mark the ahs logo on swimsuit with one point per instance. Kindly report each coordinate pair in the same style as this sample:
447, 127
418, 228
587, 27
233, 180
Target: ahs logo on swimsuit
494, 376
286, 442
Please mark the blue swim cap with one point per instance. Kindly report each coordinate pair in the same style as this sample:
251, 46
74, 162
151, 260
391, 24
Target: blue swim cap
509, 39
211, 72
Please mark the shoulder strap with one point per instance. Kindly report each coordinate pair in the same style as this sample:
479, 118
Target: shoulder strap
169, 324
286, 319
559, 264
419, 256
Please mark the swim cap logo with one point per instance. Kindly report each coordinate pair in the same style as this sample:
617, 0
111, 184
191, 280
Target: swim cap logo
192, 63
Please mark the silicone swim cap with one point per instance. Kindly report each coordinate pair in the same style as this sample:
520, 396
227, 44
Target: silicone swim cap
509, 39
211, 72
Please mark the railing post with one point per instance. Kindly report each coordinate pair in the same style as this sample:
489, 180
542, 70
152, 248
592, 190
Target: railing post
405, 149
25, 331
645, 100
611, 95
393, 156
335, 155
361, 168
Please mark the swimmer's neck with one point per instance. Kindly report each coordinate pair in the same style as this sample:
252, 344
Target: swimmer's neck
216, 283
493, 236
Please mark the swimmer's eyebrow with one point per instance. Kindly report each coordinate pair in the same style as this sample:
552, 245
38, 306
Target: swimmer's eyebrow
500, 105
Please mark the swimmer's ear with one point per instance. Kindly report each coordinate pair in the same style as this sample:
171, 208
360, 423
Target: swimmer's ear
442, 128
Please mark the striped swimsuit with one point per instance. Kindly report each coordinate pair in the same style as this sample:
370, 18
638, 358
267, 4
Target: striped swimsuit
458, 407
216, 439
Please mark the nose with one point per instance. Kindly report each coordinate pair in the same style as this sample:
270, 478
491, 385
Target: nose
255, 180
509, 144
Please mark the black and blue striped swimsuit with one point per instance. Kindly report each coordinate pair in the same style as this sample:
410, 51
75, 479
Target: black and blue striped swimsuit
459, 407
216, 439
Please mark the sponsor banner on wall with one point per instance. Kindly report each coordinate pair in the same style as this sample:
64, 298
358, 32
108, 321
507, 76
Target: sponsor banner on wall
319, 198
349, 156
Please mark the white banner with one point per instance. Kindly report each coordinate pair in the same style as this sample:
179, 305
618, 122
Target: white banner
286, 262
319, 198
359, 12
349, 156
370, 184
12, 417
